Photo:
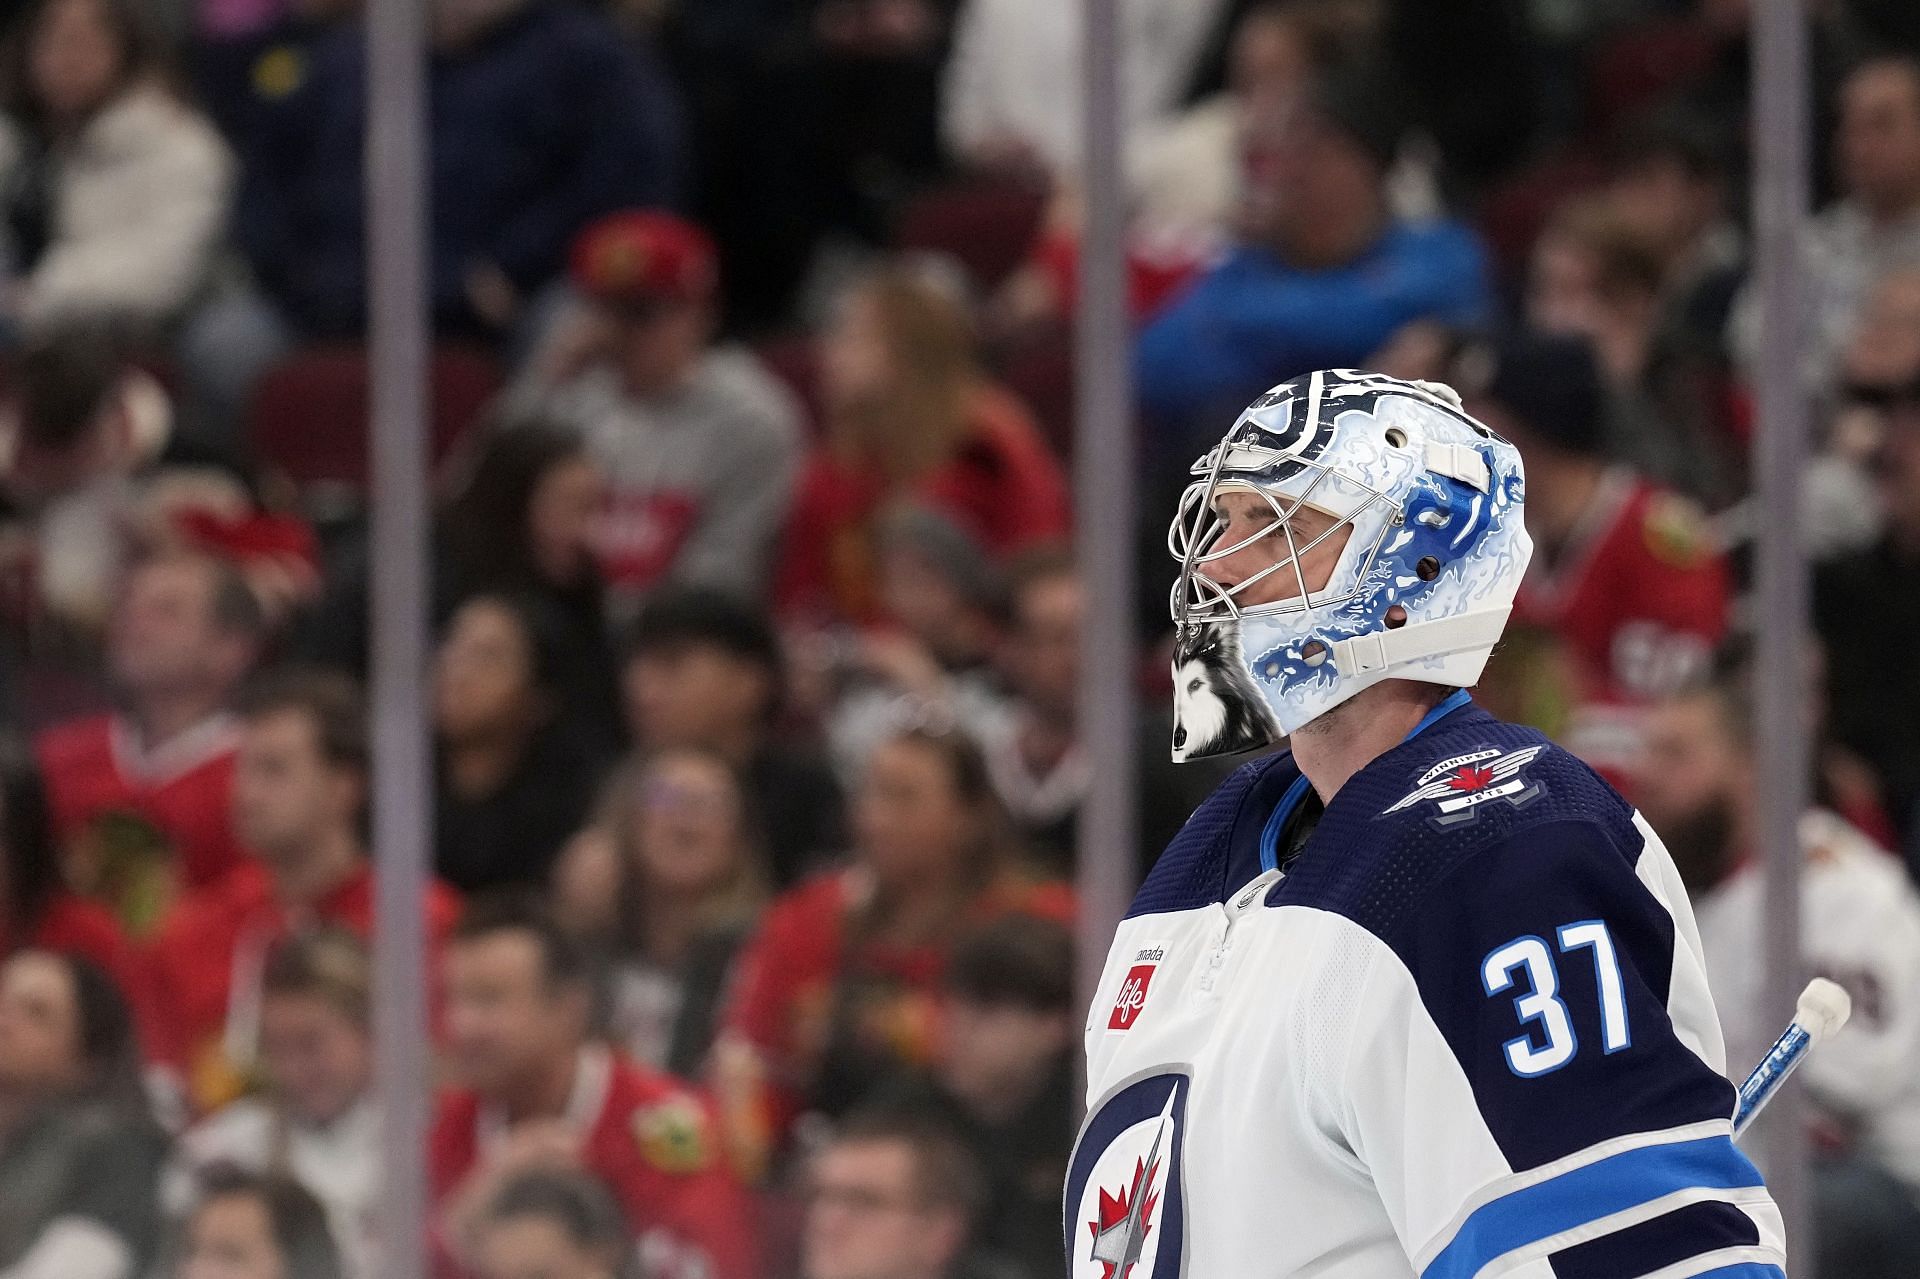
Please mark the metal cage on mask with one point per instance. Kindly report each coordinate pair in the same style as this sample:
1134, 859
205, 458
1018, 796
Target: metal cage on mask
1286, 481
1427, 501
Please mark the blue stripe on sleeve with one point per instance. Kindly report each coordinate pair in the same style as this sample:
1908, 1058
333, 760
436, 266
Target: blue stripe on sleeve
1744, 1270
1588, 1193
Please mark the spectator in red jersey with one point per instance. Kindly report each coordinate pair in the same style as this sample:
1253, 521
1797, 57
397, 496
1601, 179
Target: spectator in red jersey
299, 803
1623, 576
515, 778
703, 670
699, 442
37, 909
141, 796
664, 887
910, 417
841, 987
536, 1093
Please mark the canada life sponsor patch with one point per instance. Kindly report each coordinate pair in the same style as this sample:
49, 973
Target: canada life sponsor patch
1457, 787
1133, 991
1124, 1209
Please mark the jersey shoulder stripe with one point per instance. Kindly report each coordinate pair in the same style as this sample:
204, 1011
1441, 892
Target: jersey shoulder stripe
1674, 1238
1638, 1183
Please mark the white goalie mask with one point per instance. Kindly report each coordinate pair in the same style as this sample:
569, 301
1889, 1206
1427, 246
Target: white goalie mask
1422, 512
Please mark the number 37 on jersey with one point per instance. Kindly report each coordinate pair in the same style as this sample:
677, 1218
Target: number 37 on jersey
1529, 969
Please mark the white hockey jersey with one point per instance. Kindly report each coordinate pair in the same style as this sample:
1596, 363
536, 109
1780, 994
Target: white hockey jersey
1466, 1033
1860, 926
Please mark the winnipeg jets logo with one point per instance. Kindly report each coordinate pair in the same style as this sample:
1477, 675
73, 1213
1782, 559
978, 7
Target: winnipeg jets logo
1458, 786
1124, 1211
1122, 1223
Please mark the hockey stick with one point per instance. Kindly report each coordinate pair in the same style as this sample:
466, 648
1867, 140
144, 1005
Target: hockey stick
1822, 1009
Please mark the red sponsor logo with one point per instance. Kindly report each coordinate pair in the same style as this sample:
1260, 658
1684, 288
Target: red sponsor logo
1133, 995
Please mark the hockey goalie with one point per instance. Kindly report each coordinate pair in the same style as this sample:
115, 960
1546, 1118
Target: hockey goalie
1421, 995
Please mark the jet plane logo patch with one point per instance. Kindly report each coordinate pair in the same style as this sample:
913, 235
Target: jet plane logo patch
1458, 786
1124, 1202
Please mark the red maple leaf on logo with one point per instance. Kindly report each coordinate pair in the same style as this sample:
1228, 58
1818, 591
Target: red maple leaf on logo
1115, 1209
1470, 778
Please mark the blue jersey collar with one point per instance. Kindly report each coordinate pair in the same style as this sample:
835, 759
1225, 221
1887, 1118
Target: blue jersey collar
1277, 820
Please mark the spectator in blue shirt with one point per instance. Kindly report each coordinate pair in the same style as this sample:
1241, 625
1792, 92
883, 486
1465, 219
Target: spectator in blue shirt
543, 117
1324, 273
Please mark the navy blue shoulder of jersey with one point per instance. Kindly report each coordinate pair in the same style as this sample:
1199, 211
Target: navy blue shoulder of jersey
1499, 868
1404, 822
1222, 838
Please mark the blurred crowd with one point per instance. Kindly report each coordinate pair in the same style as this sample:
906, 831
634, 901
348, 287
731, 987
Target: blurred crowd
756, 619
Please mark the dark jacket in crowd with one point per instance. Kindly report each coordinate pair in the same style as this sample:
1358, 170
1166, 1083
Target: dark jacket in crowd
542, 124
337, 631
1873, 705
89, 1160
512, 836
798, 810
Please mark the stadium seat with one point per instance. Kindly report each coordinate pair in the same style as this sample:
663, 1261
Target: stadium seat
1040, 372
1647, 63
794, 361
308, 419
987, 226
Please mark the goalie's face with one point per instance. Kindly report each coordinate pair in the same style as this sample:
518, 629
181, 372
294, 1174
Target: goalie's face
1268, 560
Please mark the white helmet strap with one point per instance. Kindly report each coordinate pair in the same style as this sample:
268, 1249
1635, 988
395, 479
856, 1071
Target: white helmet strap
1417, 641
1458, 462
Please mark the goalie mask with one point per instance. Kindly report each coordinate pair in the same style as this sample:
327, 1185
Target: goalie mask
1350, 528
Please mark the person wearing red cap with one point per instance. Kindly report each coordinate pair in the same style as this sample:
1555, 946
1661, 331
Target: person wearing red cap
700, 443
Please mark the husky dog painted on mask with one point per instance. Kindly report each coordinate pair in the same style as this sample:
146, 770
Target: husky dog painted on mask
1216, 710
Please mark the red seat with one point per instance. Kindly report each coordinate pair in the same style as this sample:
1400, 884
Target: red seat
1645, 64
308, 417
988, 226
1516, 212
1041, 373
794, 361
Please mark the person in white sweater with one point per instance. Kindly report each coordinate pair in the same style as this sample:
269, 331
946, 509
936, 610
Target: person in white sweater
1860, 926
1012, 92
115, 192
316, 1120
